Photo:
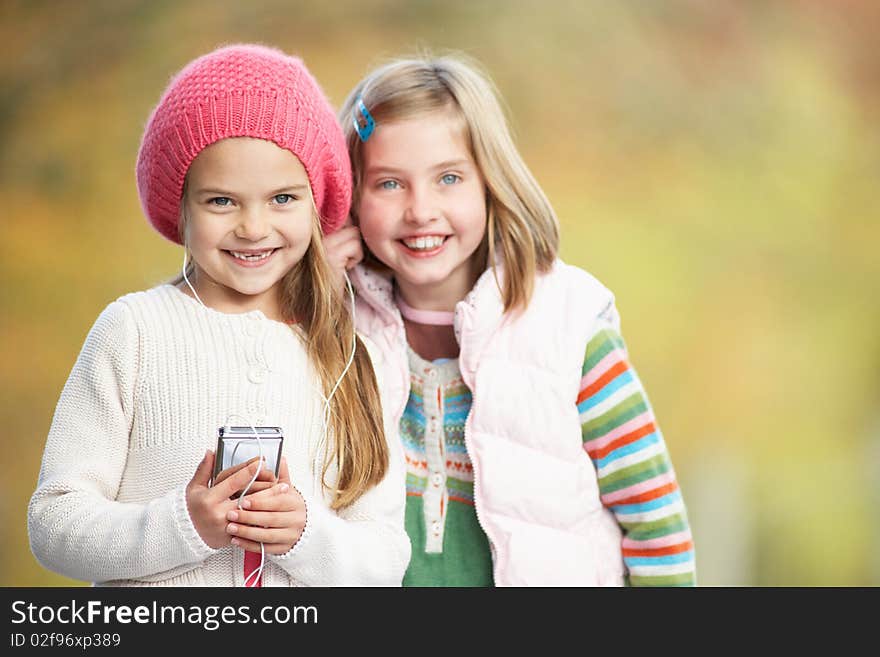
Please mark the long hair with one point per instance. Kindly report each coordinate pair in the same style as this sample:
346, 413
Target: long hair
521, 221
311, 297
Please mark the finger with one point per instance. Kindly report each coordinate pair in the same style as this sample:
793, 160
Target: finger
202, 475
341, 236
276, 503
236, 482
228, 472
346, 232
265, 479
271, 519
258, 486
248, 546
283, 472
261, 534
355, 257
252, 487
351, 240
281, 548
339, 254
272, 548
345, 237
264, 500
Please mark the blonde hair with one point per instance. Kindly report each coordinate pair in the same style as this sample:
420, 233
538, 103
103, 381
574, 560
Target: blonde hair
311, 296
521, 222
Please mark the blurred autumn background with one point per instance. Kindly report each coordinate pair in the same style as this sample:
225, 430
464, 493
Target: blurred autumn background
714, 162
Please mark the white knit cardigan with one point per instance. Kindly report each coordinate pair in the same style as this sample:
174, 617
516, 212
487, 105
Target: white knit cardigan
156, 377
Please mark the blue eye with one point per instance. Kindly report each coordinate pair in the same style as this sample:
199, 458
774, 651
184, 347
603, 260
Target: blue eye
283, 199
389, 184
450, 178
221, 201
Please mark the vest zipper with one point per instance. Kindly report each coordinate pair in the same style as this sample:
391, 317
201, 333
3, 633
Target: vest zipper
492, 548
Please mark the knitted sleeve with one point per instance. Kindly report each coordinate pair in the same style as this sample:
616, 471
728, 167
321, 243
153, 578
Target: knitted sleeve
364, 544
75, 526
636, 478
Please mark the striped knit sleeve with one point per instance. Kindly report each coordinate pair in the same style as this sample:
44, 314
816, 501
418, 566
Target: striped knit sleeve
636, 478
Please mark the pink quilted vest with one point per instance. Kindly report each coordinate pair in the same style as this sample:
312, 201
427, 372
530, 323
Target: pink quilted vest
535, 488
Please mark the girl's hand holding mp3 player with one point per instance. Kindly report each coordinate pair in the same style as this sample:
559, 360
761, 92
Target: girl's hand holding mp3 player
273, 512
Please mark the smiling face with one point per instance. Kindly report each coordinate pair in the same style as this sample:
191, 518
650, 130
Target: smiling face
248, 220
422, 208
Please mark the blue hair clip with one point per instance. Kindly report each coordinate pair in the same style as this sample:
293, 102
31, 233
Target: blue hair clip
364, 124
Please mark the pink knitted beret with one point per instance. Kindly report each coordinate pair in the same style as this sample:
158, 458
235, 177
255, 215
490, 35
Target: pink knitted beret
242, 91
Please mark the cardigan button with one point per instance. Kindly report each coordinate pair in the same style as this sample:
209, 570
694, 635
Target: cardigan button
257, 374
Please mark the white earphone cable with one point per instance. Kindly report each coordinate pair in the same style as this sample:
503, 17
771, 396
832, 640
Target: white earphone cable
254, 576
329, 397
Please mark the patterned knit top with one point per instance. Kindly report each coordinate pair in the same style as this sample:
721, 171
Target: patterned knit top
621, 437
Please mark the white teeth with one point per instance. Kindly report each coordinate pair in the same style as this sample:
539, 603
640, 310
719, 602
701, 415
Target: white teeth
424, 243
252, 257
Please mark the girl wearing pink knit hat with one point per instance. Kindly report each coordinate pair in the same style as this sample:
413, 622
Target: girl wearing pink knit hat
243, 163
533, 454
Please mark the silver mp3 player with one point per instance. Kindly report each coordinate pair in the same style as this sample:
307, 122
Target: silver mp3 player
239, 444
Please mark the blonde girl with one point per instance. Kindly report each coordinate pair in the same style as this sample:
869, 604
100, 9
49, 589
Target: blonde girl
533, 455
